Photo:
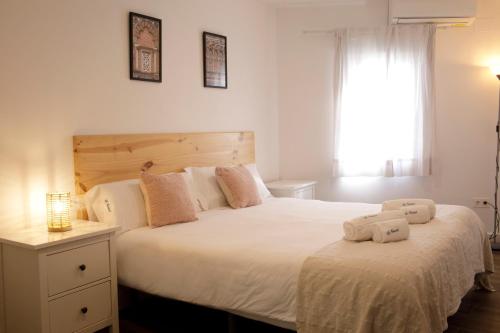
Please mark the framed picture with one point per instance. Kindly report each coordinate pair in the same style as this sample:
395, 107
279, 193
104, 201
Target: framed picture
145, 47
214, 60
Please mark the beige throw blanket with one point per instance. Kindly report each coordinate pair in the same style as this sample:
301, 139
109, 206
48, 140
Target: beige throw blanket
408, 286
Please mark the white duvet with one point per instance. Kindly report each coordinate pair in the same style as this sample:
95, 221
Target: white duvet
246, 261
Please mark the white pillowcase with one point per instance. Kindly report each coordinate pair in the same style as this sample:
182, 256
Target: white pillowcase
122, 203
119, 203
208, 190
207, 187
199, 201
263, 191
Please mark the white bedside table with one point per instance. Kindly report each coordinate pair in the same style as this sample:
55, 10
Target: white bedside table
59, 282
300, 189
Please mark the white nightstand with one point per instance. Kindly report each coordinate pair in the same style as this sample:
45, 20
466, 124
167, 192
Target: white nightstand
60, 282
300, 189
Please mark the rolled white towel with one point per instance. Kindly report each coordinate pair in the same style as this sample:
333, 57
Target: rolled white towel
417, 214
391, 231
399, 203
358, 229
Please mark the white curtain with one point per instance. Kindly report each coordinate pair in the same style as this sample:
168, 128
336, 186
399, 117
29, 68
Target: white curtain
384, 101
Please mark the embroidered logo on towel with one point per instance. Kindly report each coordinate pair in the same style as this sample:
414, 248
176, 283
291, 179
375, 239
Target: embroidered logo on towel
406, 204
411, 212
108, 205
392, 231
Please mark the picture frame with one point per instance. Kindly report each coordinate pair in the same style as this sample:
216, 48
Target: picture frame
214, 60
145, 48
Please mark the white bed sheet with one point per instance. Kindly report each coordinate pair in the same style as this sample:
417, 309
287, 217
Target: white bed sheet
245, 261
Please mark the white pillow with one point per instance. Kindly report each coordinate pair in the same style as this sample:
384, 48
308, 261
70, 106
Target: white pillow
119, 203
88, 199
199, 201
263, 191
122, 203
208, 189
206, 186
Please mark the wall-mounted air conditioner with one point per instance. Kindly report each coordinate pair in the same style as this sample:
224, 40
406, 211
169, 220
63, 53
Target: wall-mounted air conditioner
445, 13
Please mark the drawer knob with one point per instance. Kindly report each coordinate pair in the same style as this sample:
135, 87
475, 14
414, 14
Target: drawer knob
82, 267
84, 310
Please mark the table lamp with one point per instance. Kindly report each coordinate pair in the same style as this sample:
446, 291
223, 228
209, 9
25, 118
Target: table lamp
59, 211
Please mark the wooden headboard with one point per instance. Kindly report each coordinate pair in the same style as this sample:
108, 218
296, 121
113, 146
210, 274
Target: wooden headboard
108, 158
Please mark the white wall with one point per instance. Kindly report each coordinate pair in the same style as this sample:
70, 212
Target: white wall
467, 106
64, 71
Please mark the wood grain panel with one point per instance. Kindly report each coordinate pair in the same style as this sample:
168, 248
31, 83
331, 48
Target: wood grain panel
107, 158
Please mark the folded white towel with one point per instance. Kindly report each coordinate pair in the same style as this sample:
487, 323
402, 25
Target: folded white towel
397, 204
417, 214
391, 231
358, 229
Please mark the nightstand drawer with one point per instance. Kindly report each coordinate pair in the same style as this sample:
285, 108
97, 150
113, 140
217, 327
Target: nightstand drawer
81, 309
306, 193
77, 267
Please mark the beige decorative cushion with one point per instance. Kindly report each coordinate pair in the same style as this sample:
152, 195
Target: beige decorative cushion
238, 186
167, 199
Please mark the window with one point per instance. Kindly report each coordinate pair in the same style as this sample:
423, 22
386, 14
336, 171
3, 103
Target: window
384, 101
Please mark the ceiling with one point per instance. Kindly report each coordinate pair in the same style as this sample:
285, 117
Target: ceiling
306, 3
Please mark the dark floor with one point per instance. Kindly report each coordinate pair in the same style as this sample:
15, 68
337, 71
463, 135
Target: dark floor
479, 313
480, 310
161, 315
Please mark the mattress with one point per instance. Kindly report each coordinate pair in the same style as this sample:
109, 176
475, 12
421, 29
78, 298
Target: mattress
244, 261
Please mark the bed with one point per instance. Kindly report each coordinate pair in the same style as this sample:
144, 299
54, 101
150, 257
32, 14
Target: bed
284, 262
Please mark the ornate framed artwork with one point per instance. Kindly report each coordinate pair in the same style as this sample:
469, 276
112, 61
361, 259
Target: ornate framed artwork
214, 60
145, 47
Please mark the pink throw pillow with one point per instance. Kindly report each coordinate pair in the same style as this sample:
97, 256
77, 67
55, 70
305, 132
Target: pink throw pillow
167, 199
238, 185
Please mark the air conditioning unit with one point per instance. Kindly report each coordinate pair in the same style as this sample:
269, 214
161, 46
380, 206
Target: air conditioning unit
444, 13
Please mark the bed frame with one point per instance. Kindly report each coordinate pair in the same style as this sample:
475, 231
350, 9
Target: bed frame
102, 159
108, 158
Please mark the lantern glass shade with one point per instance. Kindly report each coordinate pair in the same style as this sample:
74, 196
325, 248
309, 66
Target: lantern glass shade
59, 211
